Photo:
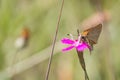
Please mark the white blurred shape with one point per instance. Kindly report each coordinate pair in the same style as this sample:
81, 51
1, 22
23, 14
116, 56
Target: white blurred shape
20, 42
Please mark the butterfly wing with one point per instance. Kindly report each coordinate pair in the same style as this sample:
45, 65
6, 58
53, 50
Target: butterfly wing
92, 34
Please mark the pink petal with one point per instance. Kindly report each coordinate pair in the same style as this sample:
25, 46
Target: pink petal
67, 41
82, 46
88, 46
68, 48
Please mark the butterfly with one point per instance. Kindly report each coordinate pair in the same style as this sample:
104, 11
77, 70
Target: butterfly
91, 35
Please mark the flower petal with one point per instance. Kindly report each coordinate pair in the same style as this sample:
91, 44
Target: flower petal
82, 46
68, 48
67, 41
88, 46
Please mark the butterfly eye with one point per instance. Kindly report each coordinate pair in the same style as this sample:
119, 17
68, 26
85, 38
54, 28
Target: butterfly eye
82, 37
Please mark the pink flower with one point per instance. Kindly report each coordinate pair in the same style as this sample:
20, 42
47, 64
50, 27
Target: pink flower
79, 45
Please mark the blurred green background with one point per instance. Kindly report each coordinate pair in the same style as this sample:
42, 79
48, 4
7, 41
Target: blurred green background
41, 17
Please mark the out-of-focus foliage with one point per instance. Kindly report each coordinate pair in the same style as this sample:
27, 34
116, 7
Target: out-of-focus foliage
41, 16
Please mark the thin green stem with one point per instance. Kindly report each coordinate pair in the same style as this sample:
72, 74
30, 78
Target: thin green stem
54, 41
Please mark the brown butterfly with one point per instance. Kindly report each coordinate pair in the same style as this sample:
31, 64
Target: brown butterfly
90, 36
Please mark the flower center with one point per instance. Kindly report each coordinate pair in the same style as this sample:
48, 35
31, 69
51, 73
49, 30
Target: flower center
76, 43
